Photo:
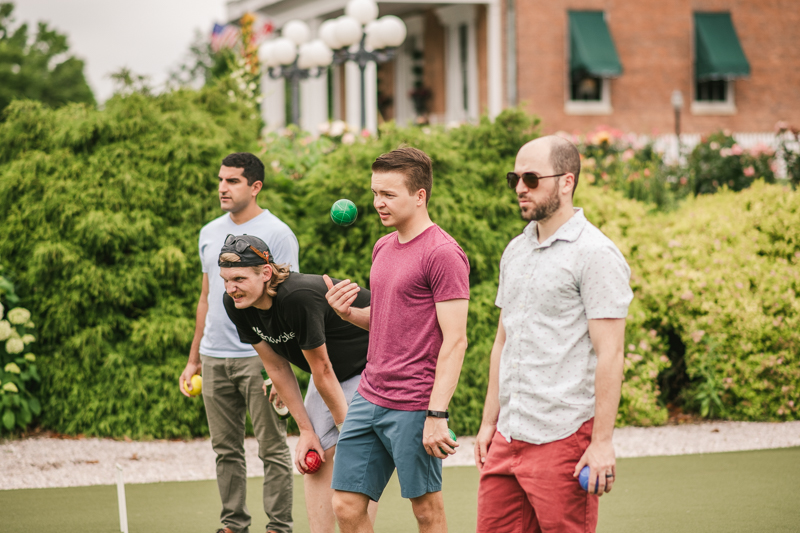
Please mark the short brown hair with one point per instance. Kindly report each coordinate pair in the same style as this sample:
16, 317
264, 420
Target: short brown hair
279, 272
414, 164
564, 158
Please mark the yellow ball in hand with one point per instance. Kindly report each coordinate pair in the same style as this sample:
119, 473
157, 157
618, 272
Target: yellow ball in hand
197, 385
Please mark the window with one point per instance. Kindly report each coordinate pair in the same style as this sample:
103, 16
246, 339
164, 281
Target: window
593, 60
719, 60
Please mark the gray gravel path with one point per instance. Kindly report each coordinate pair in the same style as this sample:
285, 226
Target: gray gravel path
53, 462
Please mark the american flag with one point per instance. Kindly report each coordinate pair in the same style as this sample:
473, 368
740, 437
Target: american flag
224, 36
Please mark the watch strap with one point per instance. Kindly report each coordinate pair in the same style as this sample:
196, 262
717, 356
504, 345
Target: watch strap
438, 414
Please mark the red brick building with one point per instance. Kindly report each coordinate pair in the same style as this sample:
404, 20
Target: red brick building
577, 64
657, 49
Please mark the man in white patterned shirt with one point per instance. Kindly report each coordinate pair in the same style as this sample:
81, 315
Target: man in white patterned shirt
557, 360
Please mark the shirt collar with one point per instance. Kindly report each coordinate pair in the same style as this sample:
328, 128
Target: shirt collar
569, 231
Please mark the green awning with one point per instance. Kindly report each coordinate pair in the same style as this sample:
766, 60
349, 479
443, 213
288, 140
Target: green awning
718, 53
591, 47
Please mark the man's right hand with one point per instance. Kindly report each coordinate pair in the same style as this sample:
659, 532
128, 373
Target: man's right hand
185, 381
482, 443
341, 296
308, 441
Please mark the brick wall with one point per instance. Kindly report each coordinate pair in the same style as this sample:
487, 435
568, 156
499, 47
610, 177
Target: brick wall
655, 41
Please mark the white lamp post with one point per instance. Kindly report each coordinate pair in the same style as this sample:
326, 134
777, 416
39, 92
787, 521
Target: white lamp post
378, 39
296, 57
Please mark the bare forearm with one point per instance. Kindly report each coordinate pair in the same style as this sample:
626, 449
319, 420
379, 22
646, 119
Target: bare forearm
607, 384
199, 328
448, 370
359, 317
332, 394
285, 382
491, 407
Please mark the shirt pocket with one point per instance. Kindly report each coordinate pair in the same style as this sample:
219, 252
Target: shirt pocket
554, 291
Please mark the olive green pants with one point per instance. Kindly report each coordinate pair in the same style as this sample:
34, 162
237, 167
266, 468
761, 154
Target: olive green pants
231, 387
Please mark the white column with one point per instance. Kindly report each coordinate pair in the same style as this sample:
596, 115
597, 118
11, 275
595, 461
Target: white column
404, 77
353, 96
371, 85
452, 18
494, 58
273, 105
313, 95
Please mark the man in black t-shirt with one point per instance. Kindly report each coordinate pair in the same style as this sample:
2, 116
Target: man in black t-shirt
286, 317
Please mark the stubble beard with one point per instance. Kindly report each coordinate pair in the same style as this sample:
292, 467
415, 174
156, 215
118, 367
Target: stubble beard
543, 211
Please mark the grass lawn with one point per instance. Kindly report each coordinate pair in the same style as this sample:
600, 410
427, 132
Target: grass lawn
724, 492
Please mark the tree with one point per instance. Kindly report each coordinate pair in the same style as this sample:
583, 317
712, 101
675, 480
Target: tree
38, 66
201, 64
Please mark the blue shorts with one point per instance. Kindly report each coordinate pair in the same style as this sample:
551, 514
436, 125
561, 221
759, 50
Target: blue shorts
376, 440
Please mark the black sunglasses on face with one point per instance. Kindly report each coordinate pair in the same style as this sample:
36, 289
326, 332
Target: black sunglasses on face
530, 179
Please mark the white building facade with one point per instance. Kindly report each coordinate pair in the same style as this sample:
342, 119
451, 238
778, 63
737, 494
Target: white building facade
448, 70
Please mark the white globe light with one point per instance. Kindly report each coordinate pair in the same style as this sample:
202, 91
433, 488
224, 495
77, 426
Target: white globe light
348, 31
364, 11
284, 51
305, 56
321, 55
327, 32
296, 31
266, 54
393, 30
374, 33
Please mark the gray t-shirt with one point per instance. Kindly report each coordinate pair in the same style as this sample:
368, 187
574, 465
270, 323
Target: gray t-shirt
220, 338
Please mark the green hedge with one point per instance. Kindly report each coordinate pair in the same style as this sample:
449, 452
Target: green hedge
100, 212
103, 209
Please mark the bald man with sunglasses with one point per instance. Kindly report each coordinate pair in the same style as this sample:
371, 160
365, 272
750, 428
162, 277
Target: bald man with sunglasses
556, 364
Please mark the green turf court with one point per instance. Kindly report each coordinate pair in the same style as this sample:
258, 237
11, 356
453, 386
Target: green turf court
724, 492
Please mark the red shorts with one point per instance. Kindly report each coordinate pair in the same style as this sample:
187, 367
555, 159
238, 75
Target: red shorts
529, 487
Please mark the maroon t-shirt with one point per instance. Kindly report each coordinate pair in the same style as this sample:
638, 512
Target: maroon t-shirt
406, 282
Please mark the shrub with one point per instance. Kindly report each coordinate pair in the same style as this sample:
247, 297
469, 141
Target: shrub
102, 211
722, 275
19, 377
718, 160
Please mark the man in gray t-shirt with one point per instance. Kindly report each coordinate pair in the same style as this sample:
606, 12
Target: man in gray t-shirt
232, 382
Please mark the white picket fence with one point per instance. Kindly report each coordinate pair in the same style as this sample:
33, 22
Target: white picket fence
674, 152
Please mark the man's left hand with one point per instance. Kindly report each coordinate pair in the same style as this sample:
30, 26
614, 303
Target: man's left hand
600, 458
436, 437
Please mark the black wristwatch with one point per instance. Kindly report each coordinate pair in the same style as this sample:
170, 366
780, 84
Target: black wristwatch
439, 414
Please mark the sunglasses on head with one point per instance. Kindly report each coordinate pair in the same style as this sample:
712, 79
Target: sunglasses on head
240, 245
530, 179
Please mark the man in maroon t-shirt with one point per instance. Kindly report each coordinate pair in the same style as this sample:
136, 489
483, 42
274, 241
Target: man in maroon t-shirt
418, 335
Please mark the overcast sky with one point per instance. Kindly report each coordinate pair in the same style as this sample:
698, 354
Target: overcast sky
147, 36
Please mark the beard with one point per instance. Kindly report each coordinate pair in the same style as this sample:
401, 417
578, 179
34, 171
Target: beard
544, 210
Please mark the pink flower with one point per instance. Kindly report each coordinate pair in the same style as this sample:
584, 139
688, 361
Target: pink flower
781, 126
714, 146
750, 171
688, 295
684, 180
725, 152
736, 149
697, 336
628, 154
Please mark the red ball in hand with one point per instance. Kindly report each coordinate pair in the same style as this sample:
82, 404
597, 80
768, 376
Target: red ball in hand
313, 462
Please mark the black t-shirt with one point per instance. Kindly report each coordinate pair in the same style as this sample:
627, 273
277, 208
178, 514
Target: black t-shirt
301, 319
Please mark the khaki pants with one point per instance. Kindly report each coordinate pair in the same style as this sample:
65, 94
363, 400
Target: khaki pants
231, 387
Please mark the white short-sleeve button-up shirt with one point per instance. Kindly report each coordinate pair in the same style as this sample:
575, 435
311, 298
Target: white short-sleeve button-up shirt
548, 293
